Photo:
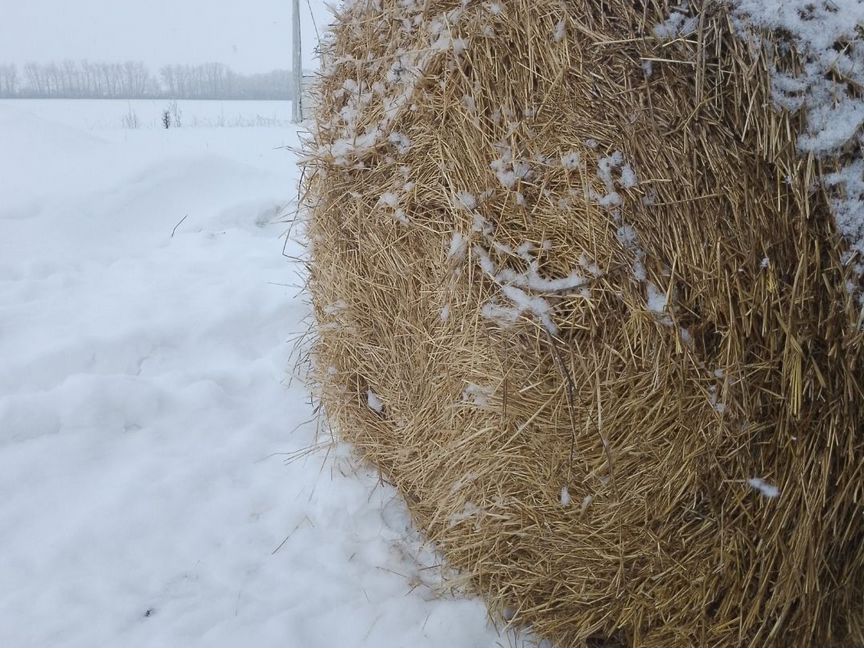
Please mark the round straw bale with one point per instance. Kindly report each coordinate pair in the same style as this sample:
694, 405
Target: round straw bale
578, 299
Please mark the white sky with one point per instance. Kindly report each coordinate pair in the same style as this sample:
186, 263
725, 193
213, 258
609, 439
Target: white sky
248, 35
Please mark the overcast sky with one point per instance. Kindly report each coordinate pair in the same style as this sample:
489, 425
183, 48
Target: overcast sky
248, 35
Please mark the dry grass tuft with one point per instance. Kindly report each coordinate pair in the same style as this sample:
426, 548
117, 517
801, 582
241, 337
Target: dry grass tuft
572, 360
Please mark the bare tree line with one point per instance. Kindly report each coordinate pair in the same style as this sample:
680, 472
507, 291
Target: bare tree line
218, 81
133, 80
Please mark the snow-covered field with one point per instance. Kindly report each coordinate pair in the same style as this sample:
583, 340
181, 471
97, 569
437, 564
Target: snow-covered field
153, 486
144, 114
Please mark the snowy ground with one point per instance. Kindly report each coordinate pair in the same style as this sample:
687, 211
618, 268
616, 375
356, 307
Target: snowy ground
145, 415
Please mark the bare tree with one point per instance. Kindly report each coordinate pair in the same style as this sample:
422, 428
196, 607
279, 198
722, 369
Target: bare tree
35, 83
8, 80
169, 80
70, 79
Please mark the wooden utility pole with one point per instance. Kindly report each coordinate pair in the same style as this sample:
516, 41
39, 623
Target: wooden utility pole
297, 108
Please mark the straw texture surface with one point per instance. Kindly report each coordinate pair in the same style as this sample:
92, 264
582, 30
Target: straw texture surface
578, 299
